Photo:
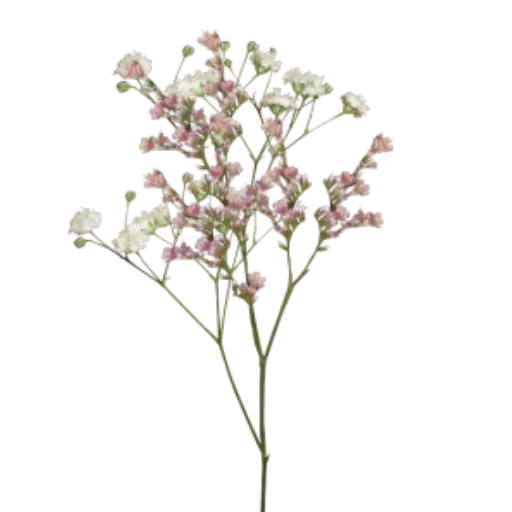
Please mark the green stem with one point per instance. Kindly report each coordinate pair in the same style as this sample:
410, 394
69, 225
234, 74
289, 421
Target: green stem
255, 161
179, 68
242, 68
263, 435
251, 154
167, 290
313, 129
252, 314
250, 81
211, 105
289, 290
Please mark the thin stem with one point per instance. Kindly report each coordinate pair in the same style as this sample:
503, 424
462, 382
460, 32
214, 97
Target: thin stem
313, 129
252, 314
126, 215
268, 83
179, 68
253, 246
242, 68
207, 101
251, 81
253, 158
263, 435
289, 290
310, 115
255, 161
167, 290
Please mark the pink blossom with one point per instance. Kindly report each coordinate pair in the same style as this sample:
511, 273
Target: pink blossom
147, 145
345, 179
216, 172
170, 101
341, 213
214, 252
267, 181
220, 124
281, 206
155, 180
290, 173
361, 188
179, 253
211, 41
198, 116
273, 127
157, 111
375, 219
227, 86
203, 244
180, 221
163, 139
181, 134
232, 169
381, 144
169, 254
133, 65
211, 88
194, 210
256, 281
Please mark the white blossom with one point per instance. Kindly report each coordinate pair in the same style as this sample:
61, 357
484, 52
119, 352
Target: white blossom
133, 65
131, 239
265, 61
306, 84
356, 103
192, 85
276, 97
136, 235
84, 222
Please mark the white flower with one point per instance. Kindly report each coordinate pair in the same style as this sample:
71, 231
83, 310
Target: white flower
354, 104
158, 217
306, 84
133, 65
137, 233
84, 222
278, 102
265, 61
131, 239
192, 85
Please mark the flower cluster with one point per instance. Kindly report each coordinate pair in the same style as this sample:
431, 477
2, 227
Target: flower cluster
210, 204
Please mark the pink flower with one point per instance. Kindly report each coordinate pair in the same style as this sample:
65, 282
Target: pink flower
270, 179
211, 88
198, 116
220, 124
203, 244
179, 253
133, 65
273, 127
361, 188
211, 41
281, 206
155, 180
214, 252
232, 169
181, 134
341, 213
180, 221
194, 210
163, 139
216, 172
147, 145
290, 173
169, 254
381, 144
345, 179
375, 219
256, 281
170, 101
157, 111
227, 86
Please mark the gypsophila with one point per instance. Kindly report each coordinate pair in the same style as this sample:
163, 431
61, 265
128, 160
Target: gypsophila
277, 102
265, 61
354, 104
85, 222
306, 84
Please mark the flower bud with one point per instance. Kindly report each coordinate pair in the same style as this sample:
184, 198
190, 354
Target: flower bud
130, 196
80, 243
252, 46
188, 51
228, 63
226, 46
187, 178
123, 87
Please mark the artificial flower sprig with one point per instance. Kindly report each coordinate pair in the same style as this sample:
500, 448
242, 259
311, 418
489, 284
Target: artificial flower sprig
201, 109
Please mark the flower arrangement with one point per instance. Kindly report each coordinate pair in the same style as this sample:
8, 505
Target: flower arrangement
215, 205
